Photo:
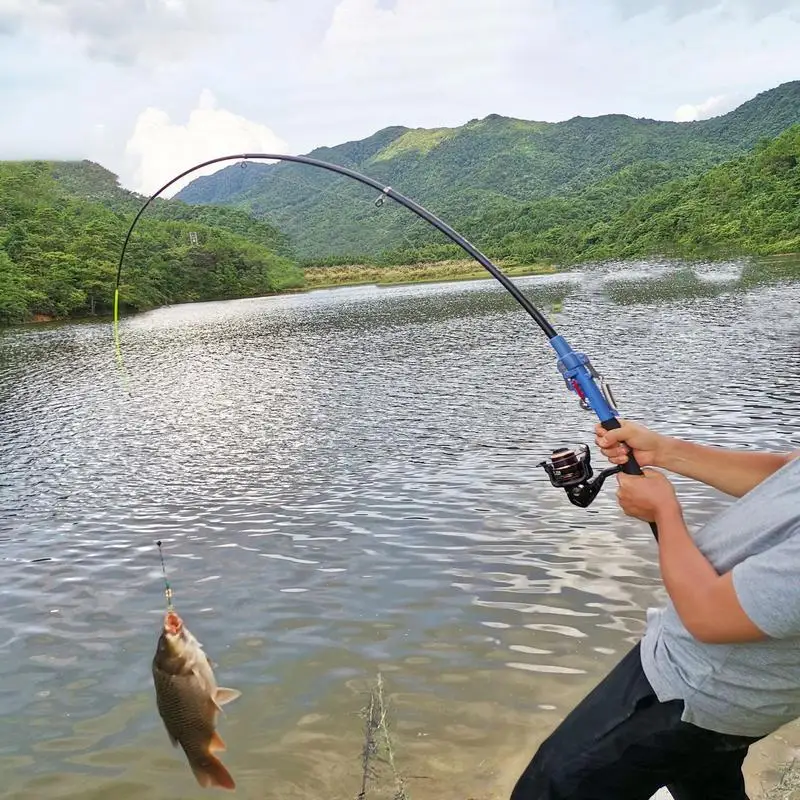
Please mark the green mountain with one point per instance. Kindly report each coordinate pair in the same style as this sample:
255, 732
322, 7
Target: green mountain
61, 230
492, 166
747, 205
586, 189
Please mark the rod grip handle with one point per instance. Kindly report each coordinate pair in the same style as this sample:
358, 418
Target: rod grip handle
631, 466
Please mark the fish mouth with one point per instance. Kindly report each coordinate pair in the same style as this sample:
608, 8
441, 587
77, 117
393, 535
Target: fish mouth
173, 624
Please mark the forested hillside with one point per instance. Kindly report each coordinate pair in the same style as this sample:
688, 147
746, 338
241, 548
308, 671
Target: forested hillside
749, 205
59, 252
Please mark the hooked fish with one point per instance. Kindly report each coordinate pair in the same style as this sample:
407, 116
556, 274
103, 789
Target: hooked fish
189, 701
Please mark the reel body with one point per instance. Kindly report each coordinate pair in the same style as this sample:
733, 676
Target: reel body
571, 470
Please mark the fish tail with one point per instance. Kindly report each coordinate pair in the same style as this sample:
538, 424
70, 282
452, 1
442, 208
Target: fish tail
210, 772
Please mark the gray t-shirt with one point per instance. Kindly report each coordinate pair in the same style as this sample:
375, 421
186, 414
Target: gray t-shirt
748, 689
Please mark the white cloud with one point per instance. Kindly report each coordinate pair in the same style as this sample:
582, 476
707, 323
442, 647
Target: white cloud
322, 72
442, 62
420, 62
431, 45
677, 9
709, 108
119, 31
163, 149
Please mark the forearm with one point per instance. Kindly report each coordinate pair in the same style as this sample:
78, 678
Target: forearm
730, 471
706, 602
687, 575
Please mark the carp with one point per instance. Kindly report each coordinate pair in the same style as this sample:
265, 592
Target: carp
189, 701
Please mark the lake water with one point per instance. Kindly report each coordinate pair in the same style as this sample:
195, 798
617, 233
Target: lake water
346, 484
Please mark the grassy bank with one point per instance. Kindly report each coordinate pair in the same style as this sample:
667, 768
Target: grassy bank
456, 270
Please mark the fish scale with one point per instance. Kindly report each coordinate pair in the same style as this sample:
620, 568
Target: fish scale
185, 709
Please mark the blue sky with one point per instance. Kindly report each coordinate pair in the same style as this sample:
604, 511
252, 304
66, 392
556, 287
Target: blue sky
149, 87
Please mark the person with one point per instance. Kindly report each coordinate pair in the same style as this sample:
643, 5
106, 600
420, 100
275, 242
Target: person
718, 667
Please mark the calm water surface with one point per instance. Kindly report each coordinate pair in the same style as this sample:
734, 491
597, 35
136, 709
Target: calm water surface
345, 483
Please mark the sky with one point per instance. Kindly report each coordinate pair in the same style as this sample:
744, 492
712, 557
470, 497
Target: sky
148, 88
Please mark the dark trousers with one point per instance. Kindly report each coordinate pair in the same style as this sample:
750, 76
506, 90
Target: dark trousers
621, 743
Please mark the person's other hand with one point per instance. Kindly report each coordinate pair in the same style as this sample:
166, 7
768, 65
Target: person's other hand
646, 497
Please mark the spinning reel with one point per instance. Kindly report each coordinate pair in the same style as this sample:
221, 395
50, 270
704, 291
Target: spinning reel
571, 470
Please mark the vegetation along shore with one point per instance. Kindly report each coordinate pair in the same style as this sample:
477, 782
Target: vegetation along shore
533, 196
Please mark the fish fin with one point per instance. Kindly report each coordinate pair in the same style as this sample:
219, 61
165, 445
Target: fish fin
216, 744
174, 741
212, 773
225, 695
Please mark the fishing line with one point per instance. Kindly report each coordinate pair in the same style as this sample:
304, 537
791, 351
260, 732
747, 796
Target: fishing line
167, 588
568, 470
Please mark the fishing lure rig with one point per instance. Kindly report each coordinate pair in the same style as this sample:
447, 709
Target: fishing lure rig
568, 470
167, 587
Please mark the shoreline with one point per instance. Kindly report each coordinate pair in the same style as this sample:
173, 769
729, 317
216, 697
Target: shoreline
362, 275
408, 274
353, 275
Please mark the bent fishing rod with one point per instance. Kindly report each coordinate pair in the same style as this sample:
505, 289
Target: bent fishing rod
567, 469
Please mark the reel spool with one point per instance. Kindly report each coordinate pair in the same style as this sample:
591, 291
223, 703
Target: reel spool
571, 470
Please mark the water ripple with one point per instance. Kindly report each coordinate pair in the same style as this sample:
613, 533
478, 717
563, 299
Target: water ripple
347, 482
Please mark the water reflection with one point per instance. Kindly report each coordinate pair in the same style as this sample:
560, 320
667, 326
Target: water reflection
346, 482
682, 281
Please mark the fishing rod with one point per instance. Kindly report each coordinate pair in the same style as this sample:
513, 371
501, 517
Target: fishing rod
567, 469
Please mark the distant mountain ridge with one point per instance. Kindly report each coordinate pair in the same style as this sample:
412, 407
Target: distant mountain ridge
487, 165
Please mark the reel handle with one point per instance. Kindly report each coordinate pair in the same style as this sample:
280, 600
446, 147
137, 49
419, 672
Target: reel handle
631, 466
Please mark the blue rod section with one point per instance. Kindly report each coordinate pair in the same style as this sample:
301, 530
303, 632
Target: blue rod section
580, 376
